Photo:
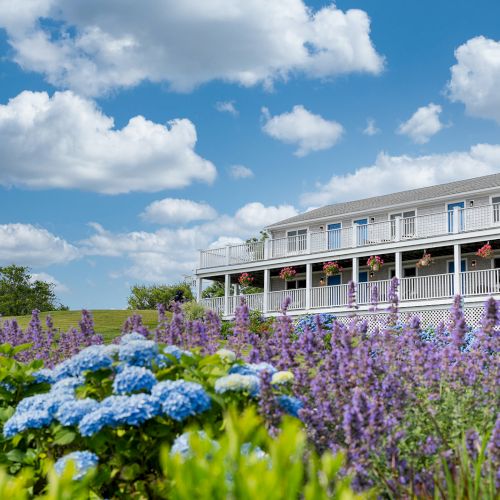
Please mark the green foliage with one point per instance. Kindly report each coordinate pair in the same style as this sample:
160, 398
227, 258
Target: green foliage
193, 310
19, 294
216, 289
148, 297
287, 470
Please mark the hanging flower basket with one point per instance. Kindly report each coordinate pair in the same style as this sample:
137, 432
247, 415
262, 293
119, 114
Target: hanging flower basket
288, 273
425, 261
332, 268
245, 279
485, 252
375, 263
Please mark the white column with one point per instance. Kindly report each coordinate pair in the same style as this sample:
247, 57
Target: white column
228, 254
267, 247
267, 282
309, 242
199, 288
456, 220
227, 292
355, 269
308, 285
397, 228
398, 264
457, 259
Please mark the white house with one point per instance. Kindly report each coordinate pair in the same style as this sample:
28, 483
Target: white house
451, 222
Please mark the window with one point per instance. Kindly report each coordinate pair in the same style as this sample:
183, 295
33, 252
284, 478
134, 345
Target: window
408, 272
496, 208
407, 224
496, 263
297, 240
292, 285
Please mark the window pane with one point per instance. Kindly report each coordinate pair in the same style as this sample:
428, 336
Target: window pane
302, 231
301, 283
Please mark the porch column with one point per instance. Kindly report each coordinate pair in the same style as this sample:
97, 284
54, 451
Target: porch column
308, 285
199, 288
267, 282
227, 293
355, 269
457, 260
398, 259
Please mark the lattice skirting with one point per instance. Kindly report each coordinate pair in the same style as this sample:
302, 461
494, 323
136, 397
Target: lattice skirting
428, 316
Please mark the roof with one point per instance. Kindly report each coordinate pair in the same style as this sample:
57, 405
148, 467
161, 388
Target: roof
403, 197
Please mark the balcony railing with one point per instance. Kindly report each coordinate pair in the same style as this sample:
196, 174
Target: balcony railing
460, 220
415, 289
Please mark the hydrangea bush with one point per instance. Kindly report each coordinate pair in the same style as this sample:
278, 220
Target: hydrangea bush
414, 411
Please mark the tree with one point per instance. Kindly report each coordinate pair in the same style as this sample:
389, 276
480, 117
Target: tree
148, 297
20, 294
216, 289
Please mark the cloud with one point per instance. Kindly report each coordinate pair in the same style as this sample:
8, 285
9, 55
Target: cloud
371, 128
301, 127
168, 253
226, 107
390, 174
177, 211
27, 245
48, 278
475, 79
65, 141
241, 172
423, 124
119, 43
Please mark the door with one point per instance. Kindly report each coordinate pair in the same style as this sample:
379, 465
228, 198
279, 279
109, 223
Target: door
407, 222
334, 235
451, 214
360, 226
334, 294
334, 280
363, 277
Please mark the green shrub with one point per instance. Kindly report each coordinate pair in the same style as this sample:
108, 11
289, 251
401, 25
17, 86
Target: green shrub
193, 310
148, 297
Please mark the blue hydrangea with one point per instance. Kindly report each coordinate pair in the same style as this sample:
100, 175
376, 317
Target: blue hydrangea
83, 461
252, 369
21, 421
237, 383
132, 379
120, 410
68, 385
131, 337
92, 358
290, 405
71, 412
176, 352
248, 448
138, 352
309, 322
180, 399
181, 445
45, 375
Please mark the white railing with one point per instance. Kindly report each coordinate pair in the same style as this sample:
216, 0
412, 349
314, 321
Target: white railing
329, 296
276, 299
436, 286
376, 233
364, 291
480, 282
215, 304
421, 288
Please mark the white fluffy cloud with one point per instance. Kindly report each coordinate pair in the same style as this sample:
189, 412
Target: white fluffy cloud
391, 174
65, 141
169, 253
226, 107
25, 244
301, 127
240, 172
475, 79
423, 124
48, 278
177, 211
99, 45
371, 127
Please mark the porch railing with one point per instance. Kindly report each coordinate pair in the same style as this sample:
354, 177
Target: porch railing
414, 289
460, 220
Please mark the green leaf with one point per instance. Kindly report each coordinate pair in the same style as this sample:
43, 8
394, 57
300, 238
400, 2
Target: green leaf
16, 455
64, 436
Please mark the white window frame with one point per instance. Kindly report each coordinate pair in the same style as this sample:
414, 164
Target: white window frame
491, 205
393, 268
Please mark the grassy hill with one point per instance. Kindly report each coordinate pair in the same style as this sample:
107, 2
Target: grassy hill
107, 322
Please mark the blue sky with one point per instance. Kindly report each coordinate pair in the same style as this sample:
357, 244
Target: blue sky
284, 89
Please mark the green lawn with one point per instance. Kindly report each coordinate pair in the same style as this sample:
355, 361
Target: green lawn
107, 322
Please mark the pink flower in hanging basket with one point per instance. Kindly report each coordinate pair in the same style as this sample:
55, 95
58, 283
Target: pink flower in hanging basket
485, 252
287, 273
245, 279
425, 261
332, 268
375, 263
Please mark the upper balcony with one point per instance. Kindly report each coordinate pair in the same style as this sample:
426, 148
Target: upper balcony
449, 224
